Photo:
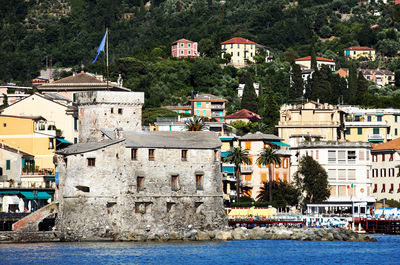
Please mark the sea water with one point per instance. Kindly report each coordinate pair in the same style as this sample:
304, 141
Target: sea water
385, 251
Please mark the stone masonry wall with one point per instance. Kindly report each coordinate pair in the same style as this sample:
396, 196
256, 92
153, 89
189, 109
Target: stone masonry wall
108, 110
115, 206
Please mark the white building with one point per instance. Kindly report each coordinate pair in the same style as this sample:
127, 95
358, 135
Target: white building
348, 166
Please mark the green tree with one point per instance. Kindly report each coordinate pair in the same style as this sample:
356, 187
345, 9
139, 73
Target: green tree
284, 194
5, 101
195, 125
237, 156
314, 64
311, 178
296, 90
397, 78
249, 98
268, 156
353, 85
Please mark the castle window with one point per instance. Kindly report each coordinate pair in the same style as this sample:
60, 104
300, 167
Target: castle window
184, 155
140, 183
215, 155
91, 162
112, 110
151, 155
83, 188
119, 111
199, 182
174, 183
133, 154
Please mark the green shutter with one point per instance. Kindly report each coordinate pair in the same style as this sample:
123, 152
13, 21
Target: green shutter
8, 164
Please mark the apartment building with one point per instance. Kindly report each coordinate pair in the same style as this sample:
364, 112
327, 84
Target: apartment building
184, 48
357, 52
210, 106
240, 49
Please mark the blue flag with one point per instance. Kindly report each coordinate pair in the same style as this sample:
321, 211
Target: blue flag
101, 47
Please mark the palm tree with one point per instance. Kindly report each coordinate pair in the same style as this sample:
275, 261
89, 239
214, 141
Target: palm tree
196, 124
268, 156
237, 156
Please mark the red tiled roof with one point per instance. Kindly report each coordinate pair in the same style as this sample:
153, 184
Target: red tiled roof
238, 40
391, 145
243, 114
308, 58
183, 40
359, 49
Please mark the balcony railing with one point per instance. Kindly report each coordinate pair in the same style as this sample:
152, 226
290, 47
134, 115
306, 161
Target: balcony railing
217, 106
246, 168
376, 137
28, 185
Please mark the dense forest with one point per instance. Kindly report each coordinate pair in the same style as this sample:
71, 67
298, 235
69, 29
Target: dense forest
140, 37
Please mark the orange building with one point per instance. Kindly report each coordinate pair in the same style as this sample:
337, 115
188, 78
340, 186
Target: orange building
210, 106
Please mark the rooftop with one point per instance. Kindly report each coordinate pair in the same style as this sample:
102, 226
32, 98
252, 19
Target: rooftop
238, 40
182, 40
86, 147
207, 97
243, 114
391, 145
308, 58
359, 48
166, 139
260, 136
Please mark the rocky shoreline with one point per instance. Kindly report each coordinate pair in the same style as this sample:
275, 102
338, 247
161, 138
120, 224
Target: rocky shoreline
257, 233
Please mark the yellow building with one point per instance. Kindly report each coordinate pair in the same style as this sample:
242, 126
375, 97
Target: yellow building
310, 120
253, 176
360, 52
240, 50
52, 108
371, 125
31, 134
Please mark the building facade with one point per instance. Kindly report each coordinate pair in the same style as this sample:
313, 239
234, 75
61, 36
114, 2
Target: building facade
228, 170
371, 125
210, 106
306, 62
310, 120
253, 176
379, 76
348, 166
128, 180
355, 53
386, 170
240, 49
184, 48
62, 114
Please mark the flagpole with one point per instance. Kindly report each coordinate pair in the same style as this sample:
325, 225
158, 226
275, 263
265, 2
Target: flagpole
107, 57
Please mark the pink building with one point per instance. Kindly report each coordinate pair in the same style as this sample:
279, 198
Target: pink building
184, 48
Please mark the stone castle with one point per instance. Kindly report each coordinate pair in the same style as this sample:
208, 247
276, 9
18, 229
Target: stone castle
121, 180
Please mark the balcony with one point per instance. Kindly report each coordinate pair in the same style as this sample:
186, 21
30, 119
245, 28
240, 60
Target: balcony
217, 114
246, 169
216, 106
376, 137
366, 124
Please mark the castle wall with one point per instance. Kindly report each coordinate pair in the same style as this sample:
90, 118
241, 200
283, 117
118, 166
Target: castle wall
115, 204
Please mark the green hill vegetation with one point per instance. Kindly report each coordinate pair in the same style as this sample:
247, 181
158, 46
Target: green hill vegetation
140, 36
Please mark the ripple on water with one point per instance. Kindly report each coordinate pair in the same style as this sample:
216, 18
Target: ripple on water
385, 251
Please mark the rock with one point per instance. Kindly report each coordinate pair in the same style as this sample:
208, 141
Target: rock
190, 235
237, 234
223, 235
211, 234
202, 236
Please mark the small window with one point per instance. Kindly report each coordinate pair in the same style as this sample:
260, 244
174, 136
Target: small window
119, 111
359, 131
184, 155
331, 156
75, 140
369, 118
91, 162
181, 52
140, 183
151, 155
112, 110
181, 44
188, 52
75, 124
378, 118
8, 164
199, 182
189, 45
83, 188
4, 124
174, 183
133, 154
216, 155
395, 118
351, 157
391, 157
51, 143
383, 188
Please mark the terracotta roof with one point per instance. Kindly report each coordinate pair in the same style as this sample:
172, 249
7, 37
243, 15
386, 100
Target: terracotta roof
243, 114
375, 72
391, 145
359, 49
308, 58
207, 97
238, 40
183, 40
81, 81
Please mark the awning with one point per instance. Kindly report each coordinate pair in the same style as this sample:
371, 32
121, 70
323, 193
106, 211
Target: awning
228, 169
9, 192
225, 154
358, 115
41, 195
280, 144
63, 141
378, 114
